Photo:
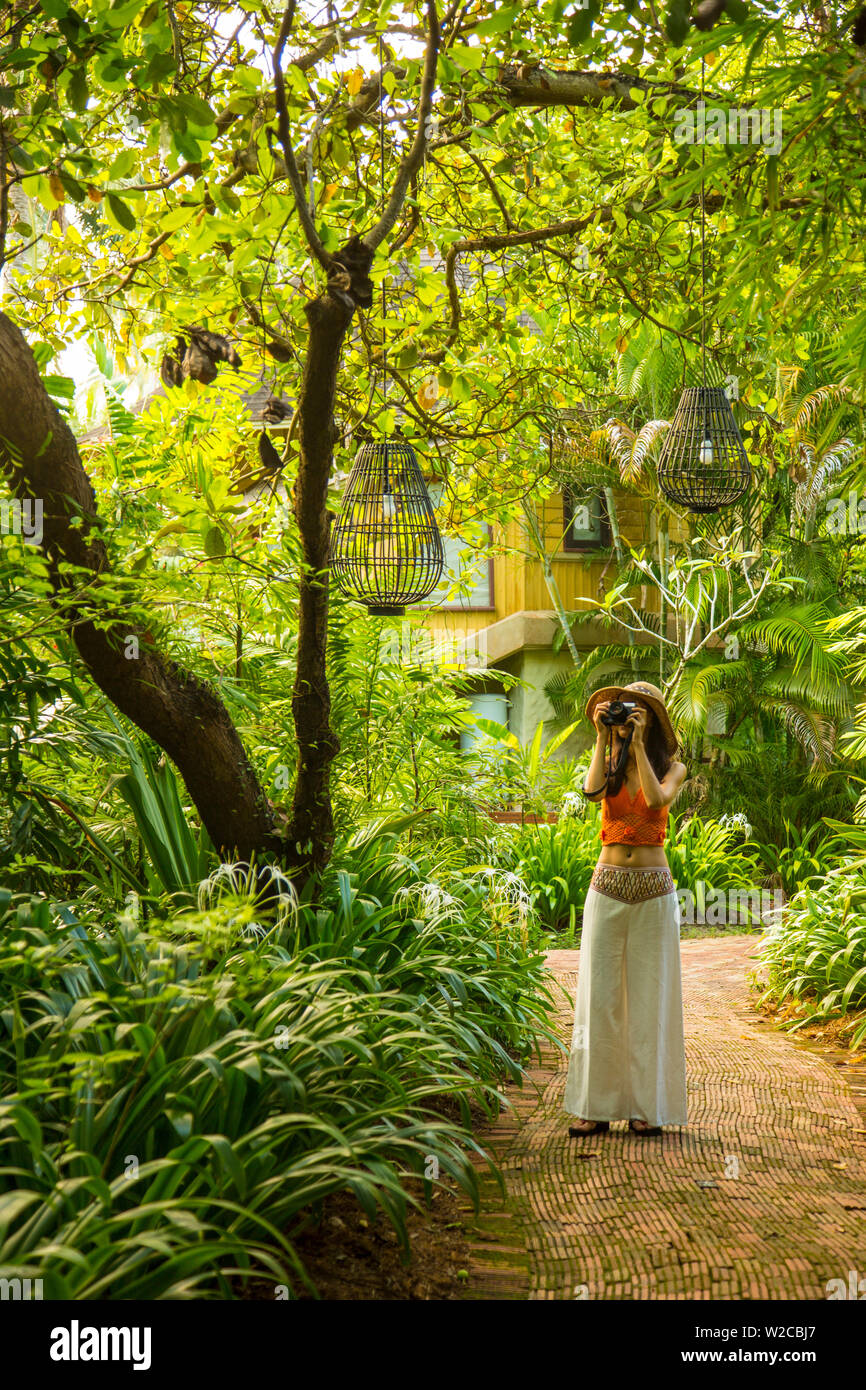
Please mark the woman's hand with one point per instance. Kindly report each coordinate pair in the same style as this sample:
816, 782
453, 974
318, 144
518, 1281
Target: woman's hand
601, 708
638, 722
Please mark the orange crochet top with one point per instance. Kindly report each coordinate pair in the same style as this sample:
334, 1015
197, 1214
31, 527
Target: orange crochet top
627, 820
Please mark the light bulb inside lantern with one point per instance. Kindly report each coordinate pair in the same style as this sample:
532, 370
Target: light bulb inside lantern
705, 453
389, 506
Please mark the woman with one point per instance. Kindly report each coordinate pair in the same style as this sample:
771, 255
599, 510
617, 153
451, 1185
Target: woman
627, 1058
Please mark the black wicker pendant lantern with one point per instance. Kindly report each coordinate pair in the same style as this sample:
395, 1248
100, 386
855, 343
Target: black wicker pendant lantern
703, 464
386, 549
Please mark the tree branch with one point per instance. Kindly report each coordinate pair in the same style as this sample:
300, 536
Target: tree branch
412, 161
304, 214
527, 85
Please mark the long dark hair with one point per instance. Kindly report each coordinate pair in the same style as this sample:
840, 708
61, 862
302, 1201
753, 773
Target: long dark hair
656, 750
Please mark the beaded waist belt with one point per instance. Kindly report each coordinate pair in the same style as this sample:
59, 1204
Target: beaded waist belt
631, 885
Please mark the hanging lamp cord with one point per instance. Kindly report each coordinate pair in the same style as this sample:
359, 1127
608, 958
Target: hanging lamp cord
382, 207
703, 231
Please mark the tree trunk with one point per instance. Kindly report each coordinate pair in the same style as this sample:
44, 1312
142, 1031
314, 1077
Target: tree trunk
663, 612
180, 712
311, 832
183, 714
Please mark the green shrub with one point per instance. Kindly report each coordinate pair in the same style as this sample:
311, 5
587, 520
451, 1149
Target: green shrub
174, 1100
804, 857
556, 864
708, 853
817, 953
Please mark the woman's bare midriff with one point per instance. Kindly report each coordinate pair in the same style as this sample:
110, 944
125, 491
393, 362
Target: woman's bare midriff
634, 856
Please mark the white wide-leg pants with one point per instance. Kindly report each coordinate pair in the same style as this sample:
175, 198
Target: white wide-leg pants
627, 1056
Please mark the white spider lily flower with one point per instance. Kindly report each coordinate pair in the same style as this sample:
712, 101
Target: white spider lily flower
737, 820
573, 806
430, 901
506, 893
263, 887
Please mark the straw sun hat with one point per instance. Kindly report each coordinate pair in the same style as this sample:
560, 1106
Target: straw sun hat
650, 693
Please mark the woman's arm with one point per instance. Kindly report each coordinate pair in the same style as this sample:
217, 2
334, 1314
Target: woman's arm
659, 793
656, 793
596, 777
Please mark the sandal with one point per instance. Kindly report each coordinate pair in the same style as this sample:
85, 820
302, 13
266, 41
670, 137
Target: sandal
598, 1127
641, 1127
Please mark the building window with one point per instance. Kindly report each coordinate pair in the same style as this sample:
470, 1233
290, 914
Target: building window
464, 563
586, 523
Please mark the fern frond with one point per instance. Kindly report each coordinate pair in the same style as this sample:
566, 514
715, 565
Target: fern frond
121, 421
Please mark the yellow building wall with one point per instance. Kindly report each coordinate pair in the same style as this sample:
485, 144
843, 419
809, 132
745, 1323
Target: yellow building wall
518, 576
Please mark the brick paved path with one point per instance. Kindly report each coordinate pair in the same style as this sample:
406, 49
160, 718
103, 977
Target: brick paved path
761, 1195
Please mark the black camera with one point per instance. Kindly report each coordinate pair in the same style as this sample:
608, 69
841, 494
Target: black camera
618, 712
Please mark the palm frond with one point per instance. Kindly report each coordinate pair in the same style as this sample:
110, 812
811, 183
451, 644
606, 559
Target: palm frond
798, 631
815, 733
619, 438
834, 460
828, 694
699, 687
811, 406
644, 441
817, 564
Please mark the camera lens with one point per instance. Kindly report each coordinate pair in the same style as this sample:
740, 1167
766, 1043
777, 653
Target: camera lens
617, 713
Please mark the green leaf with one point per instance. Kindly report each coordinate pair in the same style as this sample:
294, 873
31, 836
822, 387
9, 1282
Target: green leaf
466, 57
773, 180
76, 89
122, 13
197, 111
122, 165
499, 23
74, 189
580, 26
62, 386
214, 543
120, 213
678, 21
186, 146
